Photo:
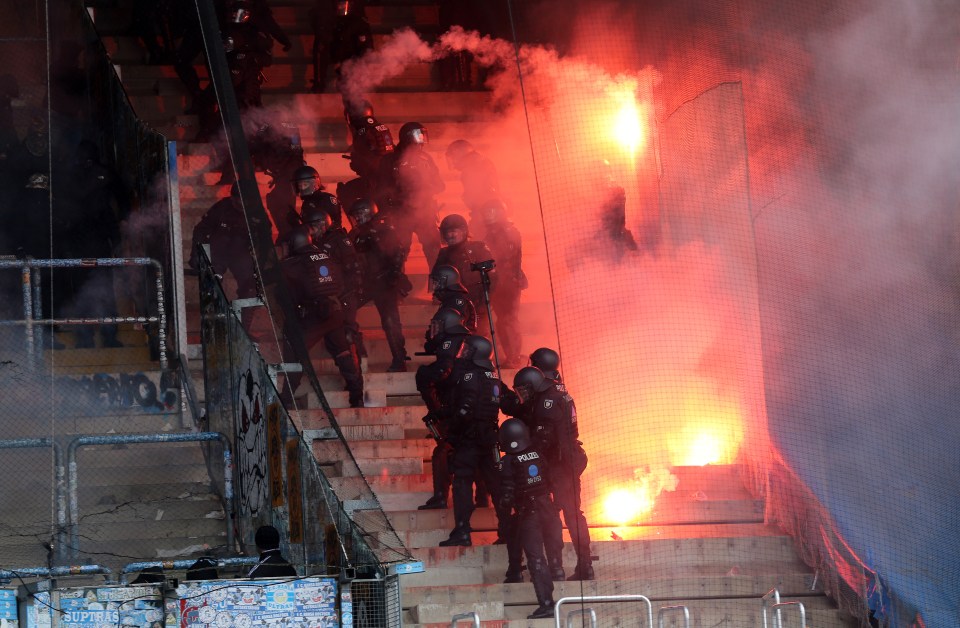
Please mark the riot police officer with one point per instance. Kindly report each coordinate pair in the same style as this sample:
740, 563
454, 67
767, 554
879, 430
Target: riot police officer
224, 228
550, 413
444, 339
315, 281
508, 253
525, 490
370, 142
337, 244
382, 260
277, 151
548, 361
449, 292
306, 183
472, 432
478, 175
461, 253
410, 181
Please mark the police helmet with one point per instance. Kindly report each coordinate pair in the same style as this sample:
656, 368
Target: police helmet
513, 436
457, 150
322, 203
317, 219
305, 173
493, 211
478, 350
413, 133
453, 221
240, 11
363, 210
532, 378
447, 320
547, 360
446, 277
300, 241
235, 190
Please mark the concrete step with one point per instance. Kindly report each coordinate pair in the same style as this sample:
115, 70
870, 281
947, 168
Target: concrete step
668, 547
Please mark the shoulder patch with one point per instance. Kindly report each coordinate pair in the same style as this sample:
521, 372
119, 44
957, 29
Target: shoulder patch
548, 403
467, 377
447, 344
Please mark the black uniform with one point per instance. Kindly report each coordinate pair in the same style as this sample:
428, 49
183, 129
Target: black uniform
433, 381
461, 256
525, 490
370, 143
277, 151
505, 245
459, 301
552, 418
472, 432
316, 283
224, 228
616, 239
337, 244
382, 260
410, 181
352, 38
320, 200
272, 565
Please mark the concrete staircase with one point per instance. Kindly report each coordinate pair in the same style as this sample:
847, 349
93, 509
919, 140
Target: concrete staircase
135, 502
705, 545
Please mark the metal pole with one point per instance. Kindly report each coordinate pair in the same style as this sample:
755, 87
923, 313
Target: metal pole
28, 312
59, 489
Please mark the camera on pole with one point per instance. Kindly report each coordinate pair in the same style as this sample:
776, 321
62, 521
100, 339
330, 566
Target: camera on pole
484, 269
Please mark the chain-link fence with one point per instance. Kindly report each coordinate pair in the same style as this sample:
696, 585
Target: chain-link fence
89, 337
279, 479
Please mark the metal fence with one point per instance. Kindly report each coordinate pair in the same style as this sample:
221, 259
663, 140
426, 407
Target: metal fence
279, 481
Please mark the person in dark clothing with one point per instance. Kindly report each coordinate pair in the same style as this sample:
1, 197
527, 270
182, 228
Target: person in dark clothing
277, 151
478, 175
549, 412
337, 244
525, 490
548, 361
370, 142
382, 260
449, 292
461, 252
149, 24
248, 49
272, 563
224, 228
316, 283
472, 432
505, 244
352, 37
409, 182
615, 240
149, 575
444, 339
306, 182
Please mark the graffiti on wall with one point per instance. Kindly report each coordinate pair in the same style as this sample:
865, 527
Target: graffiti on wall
252, 472
152, 392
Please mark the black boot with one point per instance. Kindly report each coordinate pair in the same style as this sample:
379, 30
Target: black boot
556, 572
543, 611
349, 367
460, 537
582, 572
436, 502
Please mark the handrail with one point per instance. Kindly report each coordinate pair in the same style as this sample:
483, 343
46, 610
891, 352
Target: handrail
59, 488
773, 594
471, 616
664, 610
794, 604
6, 575
29, 307
182, 564
83, 441
602, 598
582, 611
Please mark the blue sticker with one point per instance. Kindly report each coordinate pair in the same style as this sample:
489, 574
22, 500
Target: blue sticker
324, 271
533, 470
496, 390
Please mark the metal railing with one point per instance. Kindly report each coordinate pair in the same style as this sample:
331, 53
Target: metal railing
777, 607
472, 617
30, 283
7, 575
59, 483
184, 564
557, 609
666, 610
126, 439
